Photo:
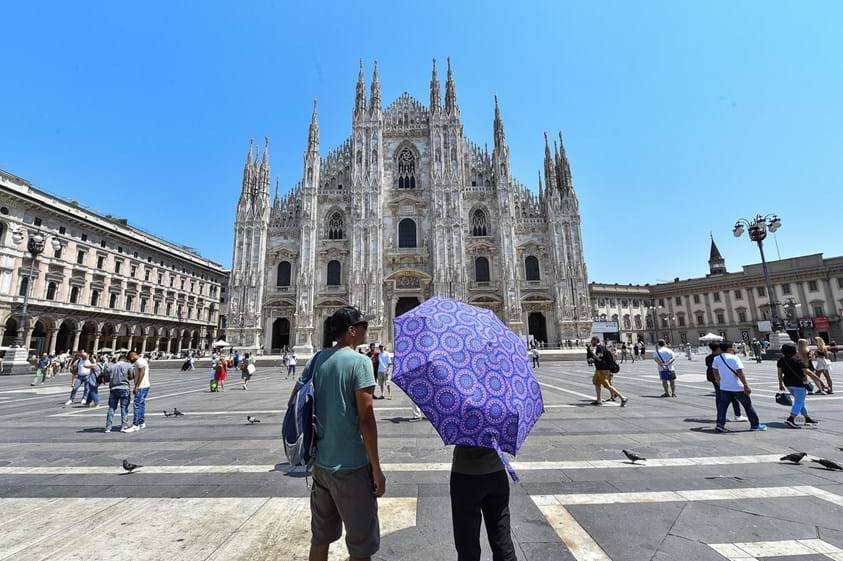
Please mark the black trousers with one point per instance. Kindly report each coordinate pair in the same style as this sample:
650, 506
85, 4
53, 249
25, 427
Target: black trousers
471, 497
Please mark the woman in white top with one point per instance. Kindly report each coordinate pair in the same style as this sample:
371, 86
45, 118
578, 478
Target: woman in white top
823, 367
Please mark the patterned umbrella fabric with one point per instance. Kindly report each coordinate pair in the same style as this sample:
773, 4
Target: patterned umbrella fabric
469, 374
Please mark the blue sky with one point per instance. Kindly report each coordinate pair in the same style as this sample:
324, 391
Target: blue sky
679, 117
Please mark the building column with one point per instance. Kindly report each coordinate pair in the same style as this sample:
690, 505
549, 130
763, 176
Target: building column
53, 335
76, 335
131, 340
114, 343
27, 338
178, 344
96, 342
143, 344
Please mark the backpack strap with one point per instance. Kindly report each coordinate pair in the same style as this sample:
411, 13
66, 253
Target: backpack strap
723, 360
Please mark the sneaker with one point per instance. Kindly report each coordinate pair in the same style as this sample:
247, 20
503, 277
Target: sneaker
68, 402
107, 430
741, 419
133, 428
810, 421
141, 426
596, 403
674, 395
759, 427
613, 398
623, 401
791, 423
718, 428
665, 395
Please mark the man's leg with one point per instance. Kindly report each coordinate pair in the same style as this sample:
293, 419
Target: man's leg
495, 507
124, 409
614, 391
76, 383
723, 400
139, 417
666, 390
113, 400
466, 504
673, 387
746, 401
325, 522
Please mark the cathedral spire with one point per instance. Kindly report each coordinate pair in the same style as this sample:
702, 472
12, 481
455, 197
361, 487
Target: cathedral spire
247, 168
500, 137
276, 202
360, 96
549, 168
375, 101
264, 175
313, 133
435, 102
265, 159
716, 263
451, 106
541, 195
565, 178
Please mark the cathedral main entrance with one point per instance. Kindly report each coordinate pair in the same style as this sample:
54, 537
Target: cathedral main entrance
280, 334
405, 304
537, 326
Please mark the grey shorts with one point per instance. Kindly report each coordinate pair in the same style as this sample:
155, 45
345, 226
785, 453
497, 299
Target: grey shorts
345, 497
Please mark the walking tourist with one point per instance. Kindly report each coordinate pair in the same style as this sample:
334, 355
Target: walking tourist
667, 371
94, 379
247, 369
384, 364
728, 371
634, 352
235, 358
142, 382
291, 364
80, 371
347, 476
41, 369
602, 359
480, 491
711, 377
805, 356
792, 375
118, 374
373, 356
756, 350
823, 366
624, 352
221, 372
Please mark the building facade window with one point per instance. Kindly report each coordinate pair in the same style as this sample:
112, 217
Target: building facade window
51, 291
696, 298
129, 301
24, 285
74, 295
738, 294
715, 296
531, 269
95, 297
700, 319
760, 291
678, 300
80, 257
143, 304
741, 316
100, 261
406, 169
282, 277
812, 286
334, 273
786, 288
407, 233
478, 223
721, 318
818, 310
481, 270
112, 301
681, 320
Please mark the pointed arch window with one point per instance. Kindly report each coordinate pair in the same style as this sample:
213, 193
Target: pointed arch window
478, 223
407, 233
531, 268
334, 277
282, 277
335, 226
481, 270
406, 167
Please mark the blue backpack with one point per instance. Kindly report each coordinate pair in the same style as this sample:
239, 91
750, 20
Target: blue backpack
299, 428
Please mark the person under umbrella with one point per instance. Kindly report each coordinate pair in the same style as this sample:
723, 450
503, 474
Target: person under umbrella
470, 375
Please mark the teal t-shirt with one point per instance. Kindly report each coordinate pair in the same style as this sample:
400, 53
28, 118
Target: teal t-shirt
340, 373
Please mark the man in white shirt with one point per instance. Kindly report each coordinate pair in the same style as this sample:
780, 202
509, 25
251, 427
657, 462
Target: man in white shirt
384, 362
291, 364
665, 358
728, 372
141, 371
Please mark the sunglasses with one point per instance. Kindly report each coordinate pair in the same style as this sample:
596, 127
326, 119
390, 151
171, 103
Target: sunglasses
362, 325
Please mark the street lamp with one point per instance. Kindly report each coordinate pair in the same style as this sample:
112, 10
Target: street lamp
758, 228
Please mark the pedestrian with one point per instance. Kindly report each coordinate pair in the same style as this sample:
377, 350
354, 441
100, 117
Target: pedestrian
792, 375
41, 368
140, 374
833, 348
384, 365
756, 350
236, 358
347, 476
221, 372
603, 360
292, 360
665, 358
823, 364
534, 356
728, 371
589, 355
247, 369
624, 352
118, 374
634, 352
805, 356
373, 356
710, 376
642, 349
94, 380
81, 369
480, 490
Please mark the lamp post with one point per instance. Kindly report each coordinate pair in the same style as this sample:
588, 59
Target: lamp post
757, 228
17, 356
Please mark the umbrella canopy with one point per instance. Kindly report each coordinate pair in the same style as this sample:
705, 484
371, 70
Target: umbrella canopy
220, 343
708, 337
468, 373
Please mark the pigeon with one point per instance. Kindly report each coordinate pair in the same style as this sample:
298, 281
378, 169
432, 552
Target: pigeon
833, 466
130, 467
633, 457
177, 413
168, 414
796, 457
252, 420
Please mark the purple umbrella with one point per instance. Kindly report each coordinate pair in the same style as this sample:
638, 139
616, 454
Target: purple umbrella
469, 374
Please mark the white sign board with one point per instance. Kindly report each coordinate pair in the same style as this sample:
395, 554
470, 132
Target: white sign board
604, 327
765, 326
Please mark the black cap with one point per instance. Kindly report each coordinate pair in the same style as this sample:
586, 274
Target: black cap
345, 317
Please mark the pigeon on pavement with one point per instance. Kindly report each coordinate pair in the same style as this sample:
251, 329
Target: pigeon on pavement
168, 414
796, 457
633, 456
177, 413
252, 420
129, 466
828, 464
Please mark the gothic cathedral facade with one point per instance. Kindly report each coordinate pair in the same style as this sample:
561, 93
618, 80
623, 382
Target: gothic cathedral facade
405, 209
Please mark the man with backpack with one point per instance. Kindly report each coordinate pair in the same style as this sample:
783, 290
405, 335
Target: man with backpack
604, 367
347, 476
664, 359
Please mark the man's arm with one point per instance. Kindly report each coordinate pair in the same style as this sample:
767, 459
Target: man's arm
141, 375
781, 379
369, 430
747, 390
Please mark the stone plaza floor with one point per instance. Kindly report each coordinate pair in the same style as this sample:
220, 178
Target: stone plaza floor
214, 487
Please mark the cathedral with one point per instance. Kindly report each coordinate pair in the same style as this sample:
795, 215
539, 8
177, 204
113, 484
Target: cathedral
406, 208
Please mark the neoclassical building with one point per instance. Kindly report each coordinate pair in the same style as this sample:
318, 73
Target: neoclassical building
404, 209
100, 282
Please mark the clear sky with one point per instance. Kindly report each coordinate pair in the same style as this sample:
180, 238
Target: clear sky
678, 117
